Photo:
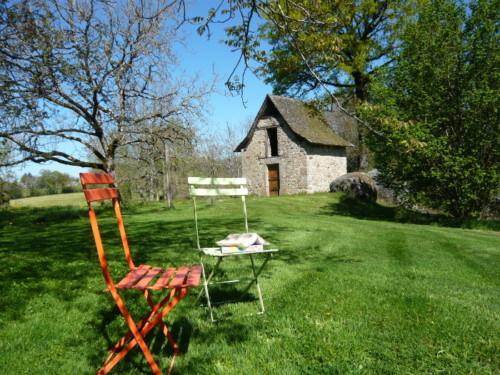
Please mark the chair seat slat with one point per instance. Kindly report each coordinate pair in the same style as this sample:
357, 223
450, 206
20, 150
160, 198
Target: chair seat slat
193, 279
164, 279
179, 279
146, 279
132, 277
101, 194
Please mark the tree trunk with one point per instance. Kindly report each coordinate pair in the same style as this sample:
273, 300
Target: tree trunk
109, 165
360, 84
151, 176
167, 178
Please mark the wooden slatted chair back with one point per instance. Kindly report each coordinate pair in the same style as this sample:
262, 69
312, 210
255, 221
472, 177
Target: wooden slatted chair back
215, 187
94, 192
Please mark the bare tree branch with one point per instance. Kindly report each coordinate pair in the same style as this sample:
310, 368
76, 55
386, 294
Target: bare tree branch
89, 73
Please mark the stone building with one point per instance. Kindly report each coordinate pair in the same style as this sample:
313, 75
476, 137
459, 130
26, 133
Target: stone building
291, 148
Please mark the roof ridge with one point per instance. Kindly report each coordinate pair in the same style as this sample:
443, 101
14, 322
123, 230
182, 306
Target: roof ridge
305, 122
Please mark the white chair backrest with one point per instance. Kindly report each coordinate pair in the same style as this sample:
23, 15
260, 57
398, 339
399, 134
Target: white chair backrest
214, 187
217, 186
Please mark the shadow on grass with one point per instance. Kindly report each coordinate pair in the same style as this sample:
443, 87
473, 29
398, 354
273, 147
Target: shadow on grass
41, 249
224, 295
181, 329
367, 210
51, 252
27, 216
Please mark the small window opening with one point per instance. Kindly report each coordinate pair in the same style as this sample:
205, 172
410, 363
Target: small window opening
272, 134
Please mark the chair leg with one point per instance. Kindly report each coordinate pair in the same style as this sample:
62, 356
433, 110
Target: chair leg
255, 275
137, 338
255, 280
166, 331
145, 319
140, 330
206, 282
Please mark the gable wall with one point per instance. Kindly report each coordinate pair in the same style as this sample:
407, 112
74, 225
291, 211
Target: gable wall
292, 160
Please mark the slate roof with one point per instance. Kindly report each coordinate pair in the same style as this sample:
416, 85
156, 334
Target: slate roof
304, 121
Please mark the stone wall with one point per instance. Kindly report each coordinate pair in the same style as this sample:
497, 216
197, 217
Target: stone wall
303, 168
251, 161
293, 165
324, 164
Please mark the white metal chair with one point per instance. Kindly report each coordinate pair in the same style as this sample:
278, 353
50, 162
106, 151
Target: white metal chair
229, 187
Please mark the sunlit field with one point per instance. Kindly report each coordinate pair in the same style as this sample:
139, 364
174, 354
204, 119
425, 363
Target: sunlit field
351, 291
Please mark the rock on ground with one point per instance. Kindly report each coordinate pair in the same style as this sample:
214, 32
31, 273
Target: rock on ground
358, 184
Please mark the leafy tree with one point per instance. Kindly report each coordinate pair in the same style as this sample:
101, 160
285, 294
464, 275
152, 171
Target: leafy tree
437, 128
304, 46
91, 73
317, 49
4, 192
8, 188
29, 181
323, 45
53, 181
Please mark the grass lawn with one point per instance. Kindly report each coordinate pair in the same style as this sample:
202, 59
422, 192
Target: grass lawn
351, 291
69, 199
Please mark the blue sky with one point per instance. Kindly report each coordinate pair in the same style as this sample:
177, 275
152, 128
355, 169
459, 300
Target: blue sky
203, 56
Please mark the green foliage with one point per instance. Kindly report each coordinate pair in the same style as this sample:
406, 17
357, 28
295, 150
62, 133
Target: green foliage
330, 44
54, 181
5, 151
344, 295
5, 158
4, 199
436, 137
49, 182
70, 189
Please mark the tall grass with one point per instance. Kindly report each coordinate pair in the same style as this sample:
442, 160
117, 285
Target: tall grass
352, 291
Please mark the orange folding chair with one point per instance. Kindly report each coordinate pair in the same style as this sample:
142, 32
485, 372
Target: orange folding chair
175, 282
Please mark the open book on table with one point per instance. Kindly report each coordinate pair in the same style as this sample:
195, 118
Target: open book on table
242, 242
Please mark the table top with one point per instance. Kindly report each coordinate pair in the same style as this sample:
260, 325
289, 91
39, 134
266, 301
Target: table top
217, 252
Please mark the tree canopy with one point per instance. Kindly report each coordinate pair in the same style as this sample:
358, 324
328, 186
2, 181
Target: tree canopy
307, 47
437, 110
427, 73
323, 46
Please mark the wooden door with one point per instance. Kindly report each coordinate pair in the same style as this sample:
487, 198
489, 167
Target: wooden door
274, 179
